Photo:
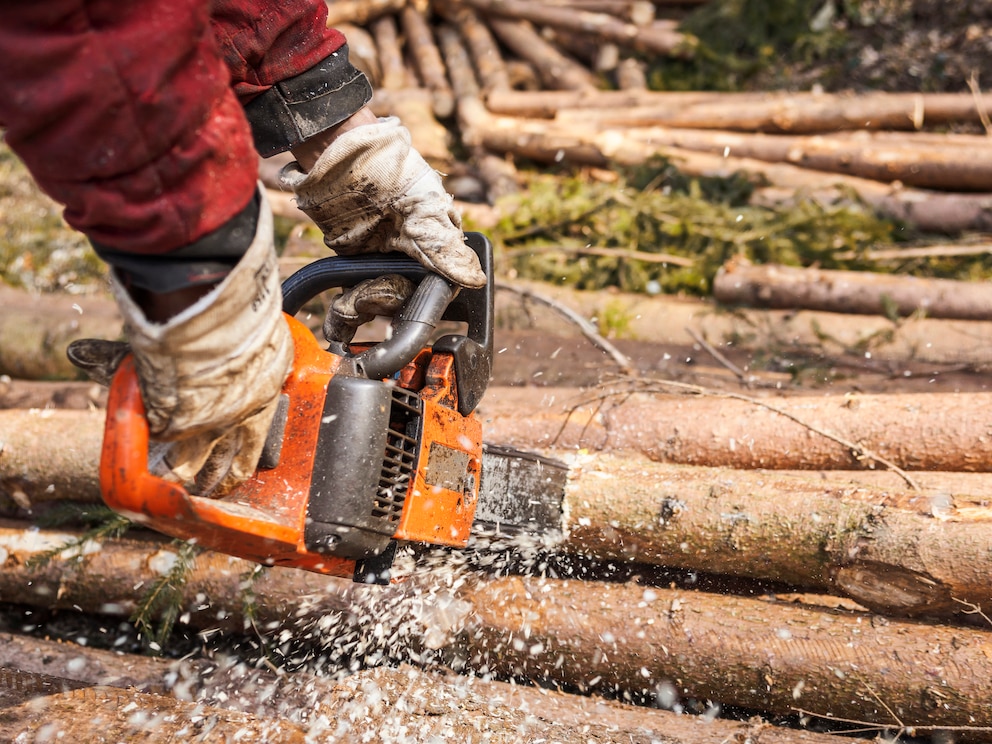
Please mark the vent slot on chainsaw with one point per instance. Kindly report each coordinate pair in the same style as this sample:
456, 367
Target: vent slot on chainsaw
400, 461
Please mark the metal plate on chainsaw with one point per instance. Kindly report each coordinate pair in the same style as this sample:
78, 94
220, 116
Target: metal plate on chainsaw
520, 491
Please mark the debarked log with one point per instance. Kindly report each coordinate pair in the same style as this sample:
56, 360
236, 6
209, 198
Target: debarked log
749, 111
760, 654
920, 162
740, 282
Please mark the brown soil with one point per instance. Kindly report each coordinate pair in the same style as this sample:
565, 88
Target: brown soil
528, 359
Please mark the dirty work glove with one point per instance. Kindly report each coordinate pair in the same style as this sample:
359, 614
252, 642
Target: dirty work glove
371, 192
210, 377
383, 295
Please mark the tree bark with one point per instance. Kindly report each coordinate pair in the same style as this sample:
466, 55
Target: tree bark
763, 655
872, 544
740, 282
408, 704
36, 329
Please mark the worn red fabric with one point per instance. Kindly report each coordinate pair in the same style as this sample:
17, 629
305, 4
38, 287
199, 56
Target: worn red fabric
128, 112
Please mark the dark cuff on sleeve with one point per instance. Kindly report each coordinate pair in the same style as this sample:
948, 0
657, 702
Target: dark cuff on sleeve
206, 261
296, 109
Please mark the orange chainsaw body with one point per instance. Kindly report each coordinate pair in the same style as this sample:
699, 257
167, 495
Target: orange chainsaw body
359, 463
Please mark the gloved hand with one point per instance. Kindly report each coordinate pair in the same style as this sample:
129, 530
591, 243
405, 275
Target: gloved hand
383, 295
210, 377
370, 192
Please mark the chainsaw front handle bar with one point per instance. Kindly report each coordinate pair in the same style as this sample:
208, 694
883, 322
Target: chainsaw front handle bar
435, 299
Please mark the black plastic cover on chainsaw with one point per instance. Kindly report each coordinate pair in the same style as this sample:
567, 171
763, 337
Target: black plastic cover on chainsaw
362, 467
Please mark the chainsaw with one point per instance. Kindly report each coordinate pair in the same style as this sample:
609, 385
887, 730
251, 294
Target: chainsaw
372, 445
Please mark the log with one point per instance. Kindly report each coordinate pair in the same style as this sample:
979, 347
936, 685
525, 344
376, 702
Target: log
394, 72
638, 12
547, 104
776, 112
359, 12
740, 282
555, 69
39, 708
656, 39
911, 431
46, 454
26, 394
407, 703
35, 330
759, 654
482, 47
889, 556
898, 553
423, 50
810, 113
925, 164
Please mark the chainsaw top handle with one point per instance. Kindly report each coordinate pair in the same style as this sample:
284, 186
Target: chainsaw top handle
435, 299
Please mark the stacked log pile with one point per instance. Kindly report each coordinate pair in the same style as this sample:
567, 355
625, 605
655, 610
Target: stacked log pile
729, 561
565, 81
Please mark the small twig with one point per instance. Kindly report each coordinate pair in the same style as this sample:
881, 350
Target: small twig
973, 609
870, 726
583, 325
878, 699
976, 92
713, 352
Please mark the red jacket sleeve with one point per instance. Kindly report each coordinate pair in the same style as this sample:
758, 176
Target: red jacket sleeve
129, 113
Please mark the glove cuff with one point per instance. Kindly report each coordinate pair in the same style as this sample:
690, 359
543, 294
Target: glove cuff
296, 109
221, 360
